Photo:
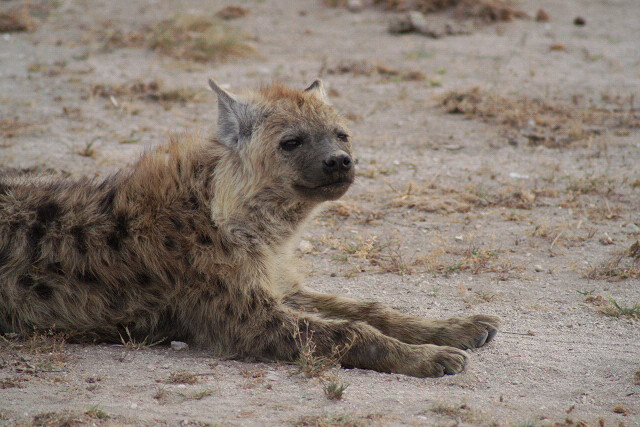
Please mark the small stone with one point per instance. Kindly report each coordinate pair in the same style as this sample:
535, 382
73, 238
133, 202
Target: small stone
537, 268
459, 238
542, 15
606, 239
305, 247
579, 21
355, 6
179, 345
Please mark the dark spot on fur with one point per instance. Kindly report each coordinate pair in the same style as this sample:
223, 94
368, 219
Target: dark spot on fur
117, 300
339, 335
88, 278
47, 212
121, 232
170, 243
228, 309
34, 236
80, 237
143, 280
4, 189
177, 223
25, 281
56, 268
243, 317
4, 256
204, 239
273, 324
106, 202
43, 291
224, 247
193, 201
217, 287
270, 350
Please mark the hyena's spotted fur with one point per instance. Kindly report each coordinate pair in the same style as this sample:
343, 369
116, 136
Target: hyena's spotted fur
193, 243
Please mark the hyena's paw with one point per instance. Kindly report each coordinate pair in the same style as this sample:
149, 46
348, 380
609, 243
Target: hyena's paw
435, 361
469, 332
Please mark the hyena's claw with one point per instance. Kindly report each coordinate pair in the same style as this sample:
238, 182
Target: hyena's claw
482, 339
453, 360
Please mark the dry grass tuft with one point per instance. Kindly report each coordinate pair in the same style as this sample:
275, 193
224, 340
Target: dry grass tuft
487, 10
461, 413
344, 420
16, 20
191, 36
447, 200
10, 128
365, 68
541, 122
151, 91
619, 267
182, 377
309, 363
198, 38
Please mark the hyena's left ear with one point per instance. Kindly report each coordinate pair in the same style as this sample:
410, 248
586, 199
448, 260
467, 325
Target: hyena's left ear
235, 119
317, 88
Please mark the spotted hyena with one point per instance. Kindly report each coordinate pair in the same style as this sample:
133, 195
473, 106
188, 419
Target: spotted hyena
194, 243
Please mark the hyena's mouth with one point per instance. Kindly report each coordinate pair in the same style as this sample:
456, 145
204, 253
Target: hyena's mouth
329, 191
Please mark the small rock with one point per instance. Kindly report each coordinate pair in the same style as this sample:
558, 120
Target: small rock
459, 238
537, 268
355, 5
606, 239
542, 15
305, 247
231, 12
429, 26
631, 228
579, 21
179, 345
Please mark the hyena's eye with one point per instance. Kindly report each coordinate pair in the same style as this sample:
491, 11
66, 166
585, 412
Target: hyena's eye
290, 144
343, 136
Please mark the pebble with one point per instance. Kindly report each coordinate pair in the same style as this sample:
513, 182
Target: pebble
537, 268
179, 345
355, 5
305, 247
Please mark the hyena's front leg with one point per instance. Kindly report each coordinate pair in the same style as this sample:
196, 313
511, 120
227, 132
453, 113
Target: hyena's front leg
259, 326
463, 332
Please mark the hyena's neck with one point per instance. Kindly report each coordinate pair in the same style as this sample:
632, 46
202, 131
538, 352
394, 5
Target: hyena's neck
243, 201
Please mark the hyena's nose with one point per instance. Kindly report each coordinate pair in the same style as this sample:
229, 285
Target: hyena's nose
338, 161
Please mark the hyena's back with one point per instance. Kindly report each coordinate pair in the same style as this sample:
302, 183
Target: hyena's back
80, 256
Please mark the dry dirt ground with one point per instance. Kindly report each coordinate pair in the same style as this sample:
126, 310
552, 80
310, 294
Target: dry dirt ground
498, 173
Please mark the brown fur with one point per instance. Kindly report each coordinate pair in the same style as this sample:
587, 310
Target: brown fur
193, 241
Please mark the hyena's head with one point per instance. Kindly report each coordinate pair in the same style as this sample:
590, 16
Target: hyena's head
292, 140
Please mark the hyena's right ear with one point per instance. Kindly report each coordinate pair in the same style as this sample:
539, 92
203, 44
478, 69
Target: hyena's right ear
235, 119
317, 88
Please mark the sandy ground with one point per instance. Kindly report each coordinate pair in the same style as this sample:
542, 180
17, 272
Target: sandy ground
513, 212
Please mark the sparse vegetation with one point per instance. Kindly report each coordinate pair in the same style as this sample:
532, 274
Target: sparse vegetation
182, 377
461, 413
334, 388
487, 10
88, 150
615, 310
95, 412
619, 267
541, 122
199, 38
311, 364
13, 127
189, 36
344, 420
134, 344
